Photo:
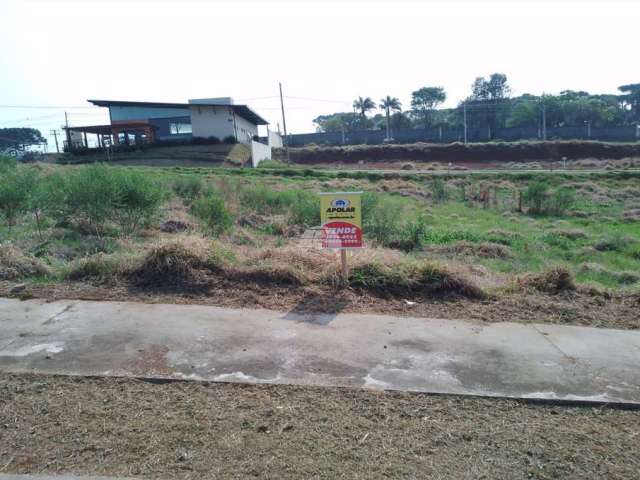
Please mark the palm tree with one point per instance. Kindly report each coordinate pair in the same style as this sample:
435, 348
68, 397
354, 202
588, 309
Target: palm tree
389, 104
363, 105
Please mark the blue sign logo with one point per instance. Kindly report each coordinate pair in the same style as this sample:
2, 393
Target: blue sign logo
340, 203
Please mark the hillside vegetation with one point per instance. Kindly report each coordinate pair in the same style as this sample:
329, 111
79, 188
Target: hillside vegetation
461, 153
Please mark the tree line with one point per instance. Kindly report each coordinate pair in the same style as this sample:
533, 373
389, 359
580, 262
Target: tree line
490, 106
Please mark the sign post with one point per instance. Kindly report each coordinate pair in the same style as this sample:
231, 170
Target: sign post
341, 218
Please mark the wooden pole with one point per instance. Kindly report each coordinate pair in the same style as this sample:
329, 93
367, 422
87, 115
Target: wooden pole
345, 267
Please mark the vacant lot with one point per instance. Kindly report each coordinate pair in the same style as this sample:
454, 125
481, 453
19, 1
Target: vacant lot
546, 247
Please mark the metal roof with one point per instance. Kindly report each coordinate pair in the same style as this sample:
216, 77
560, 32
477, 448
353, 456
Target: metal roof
242, 110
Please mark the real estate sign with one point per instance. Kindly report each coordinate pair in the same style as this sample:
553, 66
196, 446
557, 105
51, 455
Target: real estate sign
341, 215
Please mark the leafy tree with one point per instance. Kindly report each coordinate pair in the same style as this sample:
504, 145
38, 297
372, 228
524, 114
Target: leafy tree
362, 106
425, 100
335, 122
495, 88
12, 137
390, 104
489, 106
631, 100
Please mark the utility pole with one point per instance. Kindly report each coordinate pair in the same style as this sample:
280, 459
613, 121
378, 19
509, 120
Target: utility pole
464, 119
284, 125
66, 122
544, 120
55, 136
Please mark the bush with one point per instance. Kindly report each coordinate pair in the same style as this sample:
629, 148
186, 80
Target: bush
138, 200
305, 209
439, 190
560, 201
96, 194
230, 140
15, 186
188, 187
90, 195
213, 213
7, 163
535, 196
381, 218
412, 235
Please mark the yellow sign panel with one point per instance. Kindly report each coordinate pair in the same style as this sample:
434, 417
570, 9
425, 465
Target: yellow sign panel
341, 215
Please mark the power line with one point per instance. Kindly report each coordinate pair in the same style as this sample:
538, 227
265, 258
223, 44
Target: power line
56, 107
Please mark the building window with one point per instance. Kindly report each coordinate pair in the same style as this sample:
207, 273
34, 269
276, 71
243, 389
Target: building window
179, 128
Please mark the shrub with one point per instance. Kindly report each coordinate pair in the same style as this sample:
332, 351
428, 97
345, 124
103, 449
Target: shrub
138, 200
411, 235
305, 210
90, 195
535, 196
7, 163
230, 140
265, 200
213, 140
15, 186
381, 218
213, 213
560, 201
188, 187
439, 190
45, 199
96, 194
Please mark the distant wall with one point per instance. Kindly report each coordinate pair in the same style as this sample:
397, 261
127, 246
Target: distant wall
208, 120
246, 130
448, 135
274, 139
259, 152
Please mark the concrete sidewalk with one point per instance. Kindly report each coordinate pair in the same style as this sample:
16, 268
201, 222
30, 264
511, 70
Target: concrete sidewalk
260, 346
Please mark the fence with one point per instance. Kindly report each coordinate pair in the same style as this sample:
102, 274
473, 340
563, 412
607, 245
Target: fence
448, 135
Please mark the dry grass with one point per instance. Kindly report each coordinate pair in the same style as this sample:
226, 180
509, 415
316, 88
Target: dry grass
554, 280
192, 430
15, 264
632, 215
571, 234
482, 250
99, 267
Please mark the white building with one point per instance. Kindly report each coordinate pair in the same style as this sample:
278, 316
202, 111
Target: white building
154, 121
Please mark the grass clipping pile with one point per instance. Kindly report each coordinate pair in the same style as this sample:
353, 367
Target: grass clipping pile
195, 264
555, 280
14, 264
